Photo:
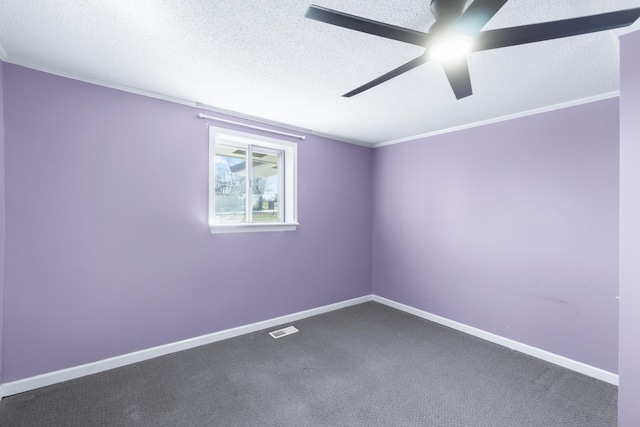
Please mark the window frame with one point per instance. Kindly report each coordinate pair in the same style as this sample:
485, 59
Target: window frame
287, 185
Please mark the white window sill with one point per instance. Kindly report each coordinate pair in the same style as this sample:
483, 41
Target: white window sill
250, 228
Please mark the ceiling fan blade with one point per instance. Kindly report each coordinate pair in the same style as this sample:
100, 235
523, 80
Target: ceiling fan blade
391, 74
531, 33
477, 15
458, 75
365, 25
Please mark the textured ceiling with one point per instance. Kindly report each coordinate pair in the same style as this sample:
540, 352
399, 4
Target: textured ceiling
264, 59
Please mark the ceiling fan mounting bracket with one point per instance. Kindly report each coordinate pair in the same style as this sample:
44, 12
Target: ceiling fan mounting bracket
443, 8
446, 13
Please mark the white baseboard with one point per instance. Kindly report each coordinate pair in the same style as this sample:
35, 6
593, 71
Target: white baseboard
565, 362
31, 383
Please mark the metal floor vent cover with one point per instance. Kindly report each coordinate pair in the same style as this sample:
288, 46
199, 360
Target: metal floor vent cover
282, 332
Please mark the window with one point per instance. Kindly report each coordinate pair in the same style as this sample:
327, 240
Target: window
252, 183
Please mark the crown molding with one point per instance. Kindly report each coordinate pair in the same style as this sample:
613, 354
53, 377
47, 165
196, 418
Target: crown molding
175, 100
532, 112
5, 58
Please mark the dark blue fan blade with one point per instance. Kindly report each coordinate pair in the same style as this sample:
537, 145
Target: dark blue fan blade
532, 33
367, 25
391, 74
458, 75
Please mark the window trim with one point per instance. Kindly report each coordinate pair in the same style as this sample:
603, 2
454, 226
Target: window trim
288, 184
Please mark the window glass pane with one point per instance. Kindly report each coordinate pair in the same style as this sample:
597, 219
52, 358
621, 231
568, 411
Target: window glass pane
252, 183
265, 185
230, 184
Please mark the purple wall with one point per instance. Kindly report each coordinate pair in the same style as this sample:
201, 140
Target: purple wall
511, 228
107, 245
2, 213
629, 393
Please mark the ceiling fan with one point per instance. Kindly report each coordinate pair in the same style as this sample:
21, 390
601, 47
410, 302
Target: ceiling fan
458, 32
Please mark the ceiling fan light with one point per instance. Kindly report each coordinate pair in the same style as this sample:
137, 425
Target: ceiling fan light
451, 48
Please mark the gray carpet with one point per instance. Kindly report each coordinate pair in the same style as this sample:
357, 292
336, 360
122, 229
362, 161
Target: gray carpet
366, 365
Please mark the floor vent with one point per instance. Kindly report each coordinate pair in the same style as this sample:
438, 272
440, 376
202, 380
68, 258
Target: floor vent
282, 332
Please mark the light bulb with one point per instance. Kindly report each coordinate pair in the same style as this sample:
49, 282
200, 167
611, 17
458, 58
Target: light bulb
450, 48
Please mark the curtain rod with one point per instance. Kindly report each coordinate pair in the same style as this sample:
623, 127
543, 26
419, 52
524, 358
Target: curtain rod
204, 116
